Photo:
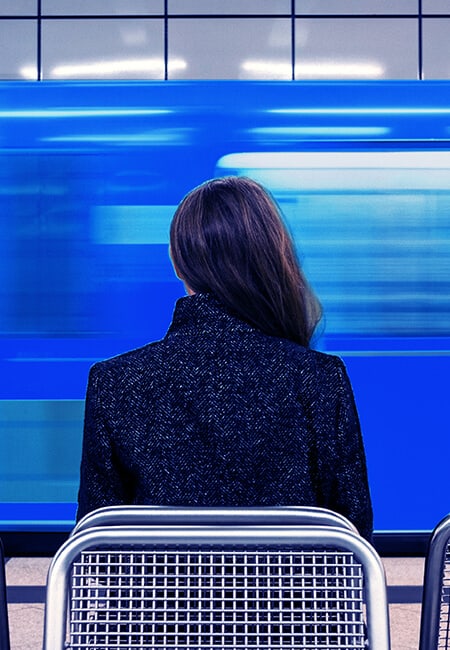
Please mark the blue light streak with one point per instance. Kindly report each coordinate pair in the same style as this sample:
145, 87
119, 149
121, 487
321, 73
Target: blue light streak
84, 112
360, 111
343, 131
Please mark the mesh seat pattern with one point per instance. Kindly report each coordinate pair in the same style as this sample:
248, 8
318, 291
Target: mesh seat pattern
444, 619
202, 598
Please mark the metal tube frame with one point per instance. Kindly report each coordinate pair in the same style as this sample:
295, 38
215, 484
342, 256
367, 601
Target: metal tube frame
162, 515
301, 536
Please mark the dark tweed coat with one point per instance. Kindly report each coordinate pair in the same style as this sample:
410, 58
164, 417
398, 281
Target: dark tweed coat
218, 413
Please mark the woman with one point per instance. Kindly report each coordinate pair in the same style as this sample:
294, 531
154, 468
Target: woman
231, 407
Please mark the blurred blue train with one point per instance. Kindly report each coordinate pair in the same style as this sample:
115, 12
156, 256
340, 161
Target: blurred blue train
90, 174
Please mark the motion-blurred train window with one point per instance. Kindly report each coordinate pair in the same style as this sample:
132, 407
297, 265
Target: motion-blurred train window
373, 229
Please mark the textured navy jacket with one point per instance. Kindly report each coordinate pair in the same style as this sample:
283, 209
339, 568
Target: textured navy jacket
219, 414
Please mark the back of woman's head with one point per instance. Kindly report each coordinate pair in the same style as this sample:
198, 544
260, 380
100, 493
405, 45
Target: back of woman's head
227, 238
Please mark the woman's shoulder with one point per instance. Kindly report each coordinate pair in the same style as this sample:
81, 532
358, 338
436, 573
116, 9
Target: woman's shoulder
315, 359
126, 361
315, 368
326, 360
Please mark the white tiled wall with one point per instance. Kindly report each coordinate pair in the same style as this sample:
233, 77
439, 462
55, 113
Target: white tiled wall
358, 48
224, 39
356, 7
101, 7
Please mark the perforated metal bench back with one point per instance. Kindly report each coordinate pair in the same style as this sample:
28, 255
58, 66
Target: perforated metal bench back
189, 597
444, 618
208, 587
435, 614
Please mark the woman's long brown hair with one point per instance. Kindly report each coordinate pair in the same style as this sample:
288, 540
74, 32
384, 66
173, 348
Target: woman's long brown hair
228, 238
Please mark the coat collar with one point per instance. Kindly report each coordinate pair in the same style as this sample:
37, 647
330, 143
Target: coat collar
204, 311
